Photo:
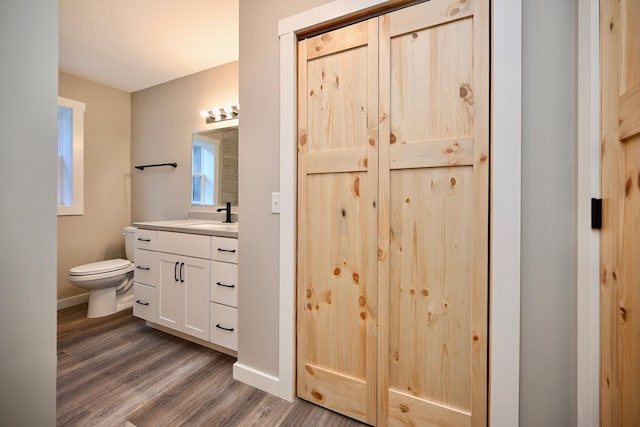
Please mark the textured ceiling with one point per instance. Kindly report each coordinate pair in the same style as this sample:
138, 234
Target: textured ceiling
134, 44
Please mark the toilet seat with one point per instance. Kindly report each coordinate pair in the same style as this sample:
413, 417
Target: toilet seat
100, 270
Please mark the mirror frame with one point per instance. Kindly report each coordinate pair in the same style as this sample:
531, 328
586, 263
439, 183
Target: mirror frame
213, 126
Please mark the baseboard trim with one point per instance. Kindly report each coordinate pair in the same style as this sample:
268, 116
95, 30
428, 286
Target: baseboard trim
73, 301
257, 379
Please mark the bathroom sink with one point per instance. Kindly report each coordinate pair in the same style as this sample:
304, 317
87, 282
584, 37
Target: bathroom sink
183, 222
183, 225
214, 225
174, 222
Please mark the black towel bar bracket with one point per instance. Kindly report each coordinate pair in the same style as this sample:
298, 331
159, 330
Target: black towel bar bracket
141, 167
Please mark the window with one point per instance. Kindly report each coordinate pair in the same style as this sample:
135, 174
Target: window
70, 157
205, 185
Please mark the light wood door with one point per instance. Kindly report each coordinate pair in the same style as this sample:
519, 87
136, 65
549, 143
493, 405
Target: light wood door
337, 243
620, 189
393, 167
434, 80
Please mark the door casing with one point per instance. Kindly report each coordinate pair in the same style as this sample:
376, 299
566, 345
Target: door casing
588, 240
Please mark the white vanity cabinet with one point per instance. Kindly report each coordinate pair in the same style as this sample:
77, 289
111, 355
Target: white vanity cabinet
184, 263
224, 292
187, 284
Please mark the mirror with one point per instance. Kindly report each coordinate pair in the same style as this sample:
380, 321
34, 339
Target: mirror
214, 167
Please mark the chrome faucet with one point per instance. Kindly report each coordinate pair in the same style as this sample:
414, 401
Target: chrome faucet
228, 209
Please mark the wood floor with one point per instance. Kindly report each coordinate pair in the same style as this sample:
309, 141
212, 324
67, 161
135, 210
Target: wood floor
116, 371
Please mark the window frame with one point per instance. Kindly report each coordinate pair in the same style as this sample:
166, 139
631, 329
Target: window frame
77, 157
210, 181
201, 178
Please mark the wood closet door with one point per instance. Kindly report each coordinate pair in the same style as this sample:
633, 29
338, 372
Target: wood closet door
434, 169
337, 243
620, 189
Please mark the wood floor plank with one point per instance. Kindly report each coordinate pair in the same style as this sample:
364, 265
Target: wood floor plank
116, 371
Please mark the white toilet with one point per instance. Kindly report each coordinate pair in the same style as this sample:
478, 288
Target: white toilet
110, 282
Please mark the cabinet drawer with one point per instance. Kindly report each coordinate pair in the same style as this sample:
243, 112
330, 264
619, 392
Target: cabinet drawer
144, 301
224, 249
194, 245
224, 326
224, 283
145, 271
146, 239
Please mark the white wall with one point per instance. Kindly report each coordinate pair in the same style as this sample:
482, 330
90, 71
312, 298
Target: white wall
28, 84
259, 176
549, 144
162, 120
97, 234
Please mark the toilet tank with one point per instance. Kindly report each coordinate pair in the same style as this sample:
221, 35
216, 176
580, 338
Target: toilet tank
129, 241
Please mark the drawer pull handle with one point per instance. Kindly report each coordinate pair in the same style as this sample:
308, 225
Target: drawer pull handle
142, 267
142, 302
219, 326
175, 272
226, 250
140, 239
225, 285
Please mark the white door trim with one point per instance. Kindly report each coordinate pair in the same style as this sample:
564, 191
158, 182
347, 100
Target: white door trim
588, 241
504, 346
505, 237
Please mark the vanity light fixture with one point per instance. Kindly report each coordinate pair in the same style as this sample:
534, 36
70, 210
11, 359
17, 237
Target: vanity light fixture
220, 114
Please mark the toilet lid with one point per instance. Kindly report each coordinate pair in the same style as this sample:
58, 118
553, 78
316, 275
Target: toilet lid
100, 267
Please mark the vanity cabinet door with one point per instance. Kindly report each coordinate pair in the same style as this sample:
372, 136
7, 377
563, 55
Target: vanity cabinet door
195, 297
183, 294
168, 290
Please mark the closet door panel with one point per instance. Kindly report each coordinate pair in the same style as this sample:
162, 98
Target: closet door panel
337, 243
432, 83
337, 101
430, 276
434, 90
335, 296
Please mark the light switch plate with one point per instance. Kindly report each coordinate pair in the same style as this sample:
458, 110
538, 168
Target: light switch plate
275, 203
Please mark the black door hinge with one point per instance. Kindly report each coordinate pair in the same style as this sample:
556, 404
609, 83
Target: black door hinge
596, 213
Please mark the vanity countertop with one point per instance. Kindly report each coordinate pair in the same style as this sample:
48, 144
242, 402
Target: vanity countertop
192, 226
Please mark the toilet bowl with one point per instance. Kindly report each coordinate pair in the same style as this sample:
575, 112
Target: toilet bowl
110, 282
